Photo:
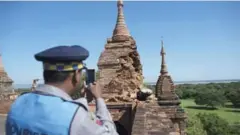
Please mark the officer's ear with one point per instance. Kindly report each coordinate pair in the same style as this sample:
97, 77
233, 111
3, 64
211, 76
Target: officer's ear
74, 78
77, 75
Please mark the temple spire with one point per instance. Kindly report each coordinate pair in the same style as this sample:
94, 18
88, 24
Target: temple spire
1, 64
120, 27
163, 66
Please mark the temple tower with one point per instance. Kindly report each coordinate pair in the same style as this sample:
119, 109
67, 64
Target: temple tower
5, 81
120, 69
163, 116
165, 92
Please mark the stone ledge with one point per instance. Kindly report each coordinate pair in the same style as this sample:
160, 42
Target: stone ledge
139, 121
169, 102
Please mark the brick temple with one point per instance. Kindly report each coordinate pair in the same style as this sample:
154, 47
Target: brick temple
121, 78
163, 116
119, 65
7, 95
5, 81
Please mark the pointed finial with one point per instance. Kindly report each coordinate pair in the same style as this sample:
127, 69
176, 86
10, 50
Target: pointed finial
163, 66
162, 43
162, 50
120, 27
120, 3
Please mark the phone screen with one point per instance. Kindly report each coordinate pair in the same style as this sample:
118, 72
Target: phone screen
90, 76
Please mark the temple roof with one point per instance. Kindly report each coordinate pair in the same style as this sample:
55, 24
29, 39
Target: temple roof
120, 27
108, 58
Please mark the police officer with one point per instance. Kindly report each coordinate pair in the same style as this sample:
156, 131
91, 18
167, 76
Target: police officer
49, 110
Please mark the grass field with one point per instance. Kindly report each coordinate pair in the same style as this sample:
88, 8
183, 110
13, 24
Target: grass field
229, 113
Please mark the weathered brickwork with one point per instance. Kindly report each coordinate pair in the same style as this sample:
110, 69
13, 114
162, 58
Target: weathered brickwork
122, 115
121, 77
139, 122
5, 81
119, 64
163, 116
152, 119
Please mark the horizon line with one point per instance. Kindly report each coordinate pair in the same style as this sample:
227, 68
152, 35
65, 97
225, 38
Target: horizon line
173, 81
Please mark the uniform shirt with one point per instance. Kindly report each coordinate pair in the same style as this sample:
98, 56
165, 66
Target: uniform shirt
85, 122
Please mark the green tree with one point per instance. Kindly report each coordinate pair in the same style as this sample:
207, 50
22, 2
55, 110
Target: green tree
234, 96
189, 93
195, 126
210, 98
235, 129
213, 124
23, 90
179, 92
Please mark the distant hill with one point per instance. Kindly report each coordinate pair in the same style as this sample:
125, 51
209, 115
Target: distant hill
19, 86
200, 81
22, 86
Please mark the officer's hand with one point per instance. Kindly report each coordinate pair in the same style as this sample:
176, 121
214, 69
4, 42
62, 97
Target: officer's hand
96, 90
83, 90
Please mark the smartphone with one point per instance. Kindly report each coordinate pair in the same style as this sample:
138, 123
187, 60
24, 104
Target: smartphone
90, 76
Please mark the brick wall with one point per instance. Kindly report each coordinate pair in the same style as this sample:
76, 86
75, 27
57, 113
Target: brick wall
5, 106
139, 122
152, 119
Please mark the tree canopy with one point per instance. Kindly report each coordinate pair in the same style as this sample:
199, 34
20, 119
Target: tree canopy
218, 92
210, 97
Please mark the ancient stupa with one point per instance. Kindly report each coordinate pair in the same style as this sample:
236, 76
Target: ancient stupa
165, 92
121, 77
5, 81
119, 64
163, 116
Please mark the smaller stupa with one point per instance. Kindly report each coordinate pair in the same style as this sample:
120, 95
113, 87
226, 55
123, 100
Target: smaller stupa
165, 92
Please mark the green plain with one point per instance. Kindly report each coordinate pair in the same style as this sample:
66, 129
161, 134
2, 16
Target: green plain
228, 112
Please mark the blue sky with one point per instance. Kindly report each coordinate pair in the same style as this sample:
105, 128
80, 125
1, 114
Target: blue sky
202, 39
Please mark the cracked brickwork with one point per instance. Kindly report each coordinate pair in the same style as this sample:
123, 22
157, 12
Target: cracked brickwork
121, 77
120, 69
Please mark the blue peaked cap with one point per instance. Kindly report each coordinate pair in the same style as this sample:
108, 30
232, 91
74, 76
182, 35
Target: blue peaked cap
74, 53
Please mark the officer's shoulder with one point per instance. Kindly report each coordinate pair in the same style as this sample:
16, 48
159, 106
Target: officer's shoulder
63, 53
80, 104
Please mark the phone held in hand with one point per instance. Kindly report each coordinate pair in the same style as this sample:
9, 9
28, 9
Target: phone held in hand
90, 76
